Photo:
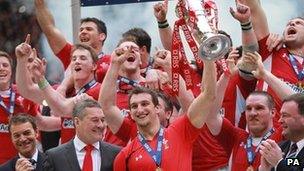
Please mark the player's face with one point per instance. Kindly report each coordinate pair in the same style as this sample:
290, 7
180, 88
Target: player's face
294, 32
133, 61
292, 122
89, 35
5, 72
24, 138
82, 64
91, 127
258, 115
142, 109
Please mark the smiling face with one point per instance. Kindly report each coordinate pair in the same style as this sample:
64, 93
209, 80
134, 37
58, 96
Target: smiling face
89, 35
142, 109
91, 127
82, 65
5, 73
258, 115
292, 122
294, 33
132, 64
24, 137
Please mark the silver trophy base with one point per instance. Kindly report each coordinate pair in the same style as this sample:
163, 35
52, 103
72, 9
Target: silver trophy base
214, 46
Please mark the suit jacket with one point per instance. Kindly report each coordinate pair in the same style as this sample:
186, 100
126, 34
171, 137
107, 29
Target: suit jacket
10, 165
63, 157
282, 166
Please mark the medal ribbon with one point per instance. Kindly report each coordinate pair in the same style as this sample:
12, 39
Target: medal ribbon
298, 69
155, 155
127, 81
249, 148
10, 109
86, 87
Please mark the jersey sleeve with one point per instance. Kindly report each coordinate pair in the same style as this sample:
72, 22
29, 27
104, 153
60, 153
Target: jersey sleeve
184, 128
227, 136
65, 55
127, 131
263, 51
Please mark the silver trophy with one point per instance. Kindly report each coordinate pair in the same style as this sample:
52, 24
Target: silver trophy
212, 45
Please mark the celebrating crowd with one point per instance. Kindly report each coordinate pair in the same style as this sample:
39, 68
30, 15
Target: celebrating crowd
134, 110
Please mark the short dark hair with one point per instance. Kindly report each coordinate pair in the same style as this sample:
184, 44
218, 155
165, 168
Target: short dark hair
82, 105
101, 26
86, 47
168, 102
21, 118
299, 99
270, 102
142, 38
141, 90
7, 56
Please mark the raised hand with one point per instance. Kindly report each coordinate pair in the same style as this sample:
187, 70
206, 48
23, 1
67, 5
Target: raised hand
231, 61
120, 55
24, 49
274, 41
162, 60
242, 13
160, 10
37, 68
256, 59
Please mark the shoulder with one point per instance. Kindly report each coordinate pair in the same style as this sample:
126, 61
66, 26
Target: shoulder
59, 149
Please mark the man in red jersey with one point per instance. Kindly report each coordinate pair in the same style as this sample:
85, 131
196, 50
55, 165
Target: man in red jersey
174, 142
83, 66
286, 63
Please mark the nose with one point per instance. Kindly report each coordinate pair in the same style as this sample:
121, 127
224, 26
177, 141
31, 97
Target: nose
292, 23
281, 120
252, 112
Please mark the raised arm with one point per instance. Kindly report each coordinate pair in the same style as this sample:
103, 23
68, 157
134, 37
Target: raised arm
25, 84
199, 109
107, 94
57, 102
214, 119
165, 32
259, 19
46, 21
249, 40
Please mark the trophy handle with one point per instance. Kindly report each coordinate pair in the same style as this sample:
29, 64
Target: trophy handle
213, 46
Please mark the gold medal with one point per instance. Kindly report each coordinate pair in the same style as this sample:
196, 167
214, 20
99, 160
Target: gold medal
158, 169
250, 168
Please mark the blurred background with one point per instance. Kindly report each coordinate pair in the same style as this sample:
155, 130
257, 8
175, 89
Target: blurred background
17, 18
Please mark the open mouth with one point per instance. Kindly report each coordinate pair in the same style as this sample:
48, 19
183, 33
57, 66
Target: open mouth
84, 39
77, 69
291, 31
131, 59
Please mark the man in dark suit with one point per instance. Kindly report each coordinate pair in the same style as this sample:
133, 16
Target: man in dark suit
86, 150
289, 155
23, 131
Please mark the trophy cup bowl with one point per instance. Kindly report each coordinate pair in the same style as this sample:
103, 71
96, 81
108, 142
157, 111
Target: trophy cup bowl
213, 46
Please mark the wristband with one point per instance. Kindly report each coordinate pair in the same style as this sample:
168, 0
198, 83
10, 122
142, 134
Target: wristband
163, 24
43, 84
246, 26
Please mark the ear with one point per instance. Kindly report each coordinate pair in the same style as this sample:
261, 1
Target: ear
94, 66
168, 114
76, 121
102, 37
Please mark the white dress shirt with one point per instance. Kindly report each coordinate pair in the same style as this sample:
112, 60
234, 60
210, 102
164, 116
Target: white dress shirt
80, 153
